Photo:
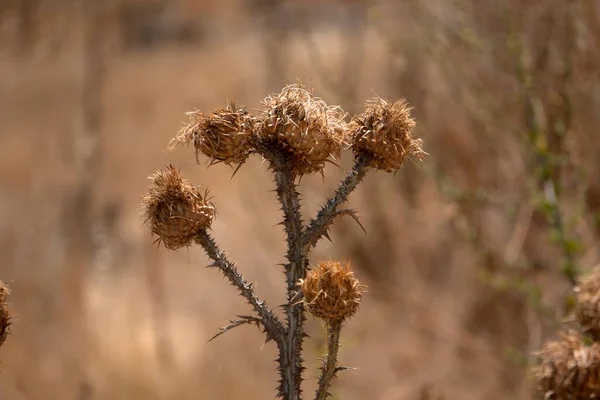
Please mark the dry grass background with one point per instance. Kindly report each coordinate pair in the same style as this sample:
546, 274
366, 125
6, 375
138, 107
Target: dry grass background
463, 254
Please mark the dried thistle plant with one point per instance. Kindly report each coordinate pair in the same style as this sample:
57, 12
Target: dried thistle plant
569, 368
383, 133
297, 134
223, 136
175, 209
303, 127
333, 294
5, 318
588, 303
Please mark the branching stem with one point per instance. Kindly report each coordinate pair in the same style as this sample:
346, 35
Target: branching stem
300, 240
318, 227
273, 327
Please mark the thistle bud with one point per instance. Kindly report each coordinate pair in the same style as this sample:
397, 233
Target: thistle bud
175, 210
331, 292
383, 133
304, 128
5, 319
225, 135
588, 303
569, 368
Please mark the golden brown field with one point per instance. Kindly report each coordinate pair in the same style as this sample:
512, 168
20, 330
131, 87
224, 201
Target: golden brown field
470, 256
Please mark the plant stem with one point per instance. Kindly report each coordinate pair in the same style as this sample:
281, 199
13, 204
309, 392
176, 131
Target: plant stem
544, 170
295, 270
329, 367
290, 372
318, 227
290, 360
273, 327
299, 241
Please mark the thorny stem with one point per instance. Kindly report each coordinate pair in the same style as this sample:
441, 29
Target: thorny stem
300, 240
329, 367
295, 270
273, 327
290, 359
318, 227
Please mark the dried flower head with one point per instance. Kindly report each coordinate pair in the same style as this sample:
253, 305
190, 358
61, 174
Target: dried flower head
384, 133
569, 368
224, 136
174, 209
303, 126
588, 303
5, 319
331, 292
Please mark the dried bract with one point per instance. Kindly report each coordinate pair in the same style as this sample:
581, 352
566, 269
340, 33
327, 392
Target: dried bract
331, 292
5, 319
588, 303
384, 134
174, 209
225, 135
569, 368
304, 127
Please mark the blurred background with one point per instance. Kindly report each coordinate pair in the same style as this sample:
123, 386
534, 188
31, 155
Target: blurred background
470, 257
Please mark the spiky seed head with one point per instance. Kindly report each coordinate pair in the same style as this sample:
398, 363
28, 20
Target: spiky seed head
303, 127
588, 302
569, 368
223, 136
5, 319
174, 209
331, 291
384, 133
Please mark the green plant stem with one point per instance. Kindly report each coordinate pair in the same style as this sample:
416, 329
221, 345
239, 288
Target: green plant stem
273, 327
317, 228
329, 367
544, 168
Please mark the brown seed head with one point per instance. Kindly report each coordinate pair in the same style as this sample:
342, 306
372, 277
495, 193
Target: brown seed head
224, 136
174, 209
331, 292
384, 132
304, 127
569, 368
5, 319
588, 303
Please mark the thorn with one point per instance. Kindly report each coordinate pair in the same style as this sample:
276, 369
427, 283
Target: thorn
331, 162
342, 368
235, 323
323, 175
352, 213
236, 170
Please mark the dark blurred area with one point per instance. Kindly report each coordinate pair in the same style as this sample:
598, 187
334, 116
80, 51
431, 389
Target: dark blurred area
470, 256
